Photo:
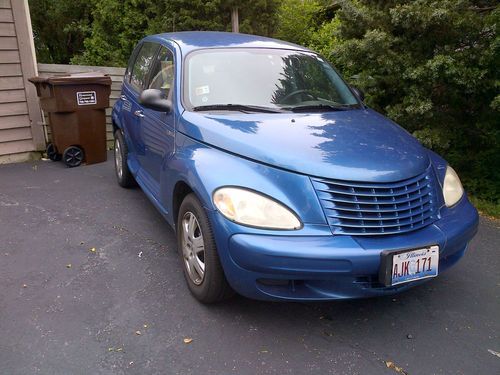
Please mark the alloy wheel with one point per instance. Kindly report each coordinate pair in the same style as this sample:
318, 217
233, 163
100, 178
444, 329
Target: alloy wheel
193, 248
118, 158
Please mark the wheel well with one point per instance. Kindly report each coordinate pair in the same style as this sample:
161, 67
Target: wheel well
181, 190
115, 127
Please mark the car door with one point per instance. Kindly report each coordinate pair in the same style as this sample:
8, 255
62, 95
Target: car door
157, 127
132, 109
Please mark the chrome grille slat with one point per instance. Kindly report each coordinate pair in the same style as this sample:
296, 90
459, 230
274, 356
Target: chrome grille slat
360, 208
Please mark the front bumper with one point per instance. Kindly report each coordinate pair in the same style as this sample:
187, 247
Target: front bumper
325, 267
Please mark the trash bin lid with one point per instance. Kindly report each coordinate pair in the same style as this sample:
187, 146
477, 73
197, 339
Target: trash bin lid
96, 78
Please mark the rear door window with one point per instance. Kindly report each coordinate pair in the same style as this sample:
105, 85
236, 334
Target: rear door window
143, 62
131, 62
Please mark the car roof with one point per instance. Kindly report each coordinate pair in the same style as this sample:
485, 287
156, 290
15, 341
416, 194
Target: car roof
194, 40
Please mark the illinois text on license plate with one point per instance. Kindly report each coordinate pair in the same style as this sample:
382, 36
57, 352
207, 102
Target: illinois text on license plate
410, 265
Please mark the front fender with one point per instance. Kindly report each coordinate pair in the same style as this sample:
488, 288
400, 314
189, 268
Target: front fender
206, 169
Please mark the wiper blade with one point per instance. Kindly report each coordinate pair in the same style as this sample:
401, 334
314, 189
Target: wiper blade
235, 107
323, 107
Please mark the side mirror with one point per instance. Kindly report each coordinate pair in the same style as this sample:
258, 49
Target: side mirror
359, 93
155, 100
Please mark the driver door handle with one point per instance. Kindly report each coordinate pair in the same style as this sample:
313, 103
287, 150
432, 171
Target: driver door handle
139, 113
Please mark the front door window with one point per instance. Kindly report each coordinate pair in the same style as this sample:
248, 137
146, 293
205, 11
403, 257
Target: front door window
142, 64
162, 72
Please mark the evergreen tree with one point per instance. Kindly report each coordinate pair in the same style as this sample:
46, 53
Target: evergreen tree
430, 65
118, 24
59, 28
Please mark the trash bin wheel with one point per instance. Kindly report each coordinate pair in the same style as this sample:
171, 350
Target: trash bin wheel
52, 153
73, 156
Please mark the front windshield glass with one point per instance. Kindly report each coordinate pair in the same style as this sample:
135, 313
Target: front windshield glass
267, 78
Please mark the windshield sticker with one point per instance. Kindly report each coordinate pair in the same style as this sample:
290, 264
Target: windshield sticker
202, 90
209, 69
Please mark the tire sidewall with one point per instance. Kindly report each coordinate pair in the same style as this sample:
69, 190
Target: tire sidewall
118, 139
203, 291
126, 179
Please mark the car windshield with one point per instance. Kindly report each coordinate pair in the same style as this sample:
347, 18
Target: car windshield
263, 79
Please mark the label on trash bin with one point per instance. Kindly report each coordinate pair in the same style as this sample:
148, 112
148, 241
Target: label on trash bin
86, 97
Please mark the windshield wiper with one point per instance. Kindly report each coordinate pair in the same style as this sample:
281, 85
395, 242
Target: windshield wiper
235, 107
321, 107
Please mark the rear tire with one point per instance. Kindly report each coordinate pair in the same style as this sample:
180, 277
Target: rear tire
123, 175
200, 259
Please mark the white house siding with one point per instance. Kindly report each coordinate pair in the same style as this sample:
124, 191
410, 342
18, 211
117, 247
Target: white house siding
21, 130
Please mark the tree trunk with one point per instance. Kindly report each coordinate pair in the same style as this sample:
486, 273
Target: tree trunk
235, 22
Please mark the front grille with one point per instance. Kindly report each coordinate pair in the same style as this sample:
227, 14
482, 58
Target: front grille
359, 208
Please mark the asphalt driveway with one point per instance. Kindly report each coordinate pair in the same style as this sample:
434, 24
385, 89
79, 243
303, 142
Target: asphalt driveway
124, 308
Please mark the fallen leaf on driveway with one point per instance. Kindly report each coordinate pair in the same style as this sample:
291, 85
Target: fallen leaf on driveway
392, 366
145, 325
92, 250
494, 353
68, 265
188, 340
25, 286
138, 333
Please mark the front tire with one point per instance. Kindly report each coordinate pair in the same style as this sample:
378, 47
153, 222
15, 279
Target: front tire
200, 259
123, 175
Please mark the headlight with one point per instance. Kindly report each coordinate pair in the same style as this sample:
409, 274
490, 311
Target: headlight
250, 208
452, 187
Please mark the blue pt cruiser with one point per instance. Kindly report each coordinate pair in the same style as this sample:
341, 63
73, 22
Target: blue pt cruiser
279, 182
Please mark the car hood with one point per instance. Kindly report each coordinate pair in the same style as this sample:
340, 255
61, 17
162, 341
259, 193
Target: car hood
355, 145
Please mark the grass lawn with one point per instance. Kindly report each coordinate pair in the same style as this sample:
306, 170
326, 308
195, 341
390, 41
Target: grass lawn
487, 208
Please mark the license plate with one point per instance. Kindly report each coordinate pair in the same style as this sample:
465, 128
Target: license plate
409, 265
